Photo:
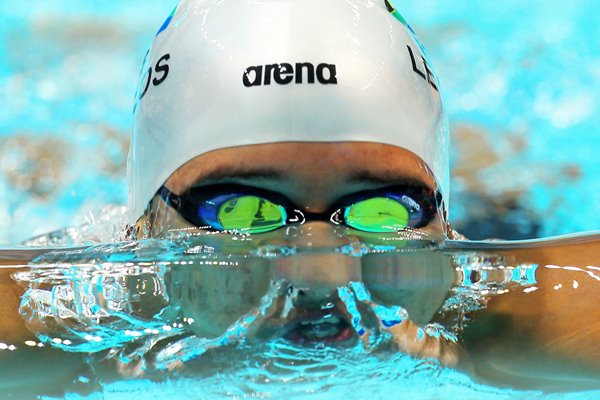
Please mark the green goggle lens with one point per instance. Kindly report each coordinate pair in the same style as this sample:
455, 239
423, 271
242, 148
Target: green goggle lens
378, 214
251, 214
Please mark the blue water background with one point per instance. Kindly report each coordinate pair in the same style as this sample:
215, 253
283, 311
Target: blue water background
521, 84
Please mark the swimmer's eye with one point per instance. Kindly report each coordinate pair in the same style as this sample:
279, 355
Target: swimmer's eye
383, 214
242, 213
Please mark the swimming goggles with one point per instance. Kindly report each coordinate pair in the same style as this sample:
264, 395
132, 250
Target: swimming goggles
245, 209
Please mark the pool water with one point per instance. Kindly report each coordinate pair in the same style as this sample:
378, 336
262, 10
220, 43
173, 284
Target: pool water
162, 319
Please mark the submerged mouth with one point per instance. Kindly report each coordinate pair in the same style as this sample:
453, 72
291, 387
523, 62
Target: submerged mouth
332, 328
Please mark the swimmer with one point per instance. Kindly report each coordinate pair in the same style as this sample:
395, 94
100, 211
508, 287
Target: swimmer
326, 116
336, 123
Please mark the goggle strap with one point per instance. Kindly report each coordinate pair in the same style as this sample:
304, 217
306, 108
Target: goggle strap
169, 197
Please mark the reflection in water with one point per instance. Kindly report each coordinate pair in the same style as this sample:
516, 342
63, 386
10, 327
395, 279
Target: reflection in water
318, 318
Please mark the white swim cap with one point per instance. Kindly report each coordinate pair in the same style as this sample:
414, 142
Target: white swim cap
224, 73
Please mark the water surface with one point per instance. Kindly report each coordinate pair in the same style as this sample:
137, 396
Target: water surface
217, 317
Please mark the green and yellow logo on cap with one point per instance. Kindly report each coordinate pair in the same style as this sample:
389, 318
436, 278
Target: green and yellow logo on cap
165, 25
395, 13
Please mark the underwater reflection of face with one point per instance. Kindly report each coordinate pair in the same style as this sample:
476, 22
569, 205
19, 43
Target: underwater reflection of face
313, 177
358, 297
353, 298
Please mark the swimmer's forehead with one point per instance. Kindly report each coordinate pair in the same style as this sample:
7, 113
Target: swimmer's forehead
318, 164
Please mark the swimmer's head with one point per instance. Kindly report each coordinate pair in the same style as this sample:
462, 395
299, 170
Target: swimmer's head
224, 74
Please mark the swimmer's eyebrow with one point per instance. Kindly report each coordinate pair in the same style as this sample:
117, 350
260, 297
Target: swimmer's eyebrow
231, 172
387, 178
357, 176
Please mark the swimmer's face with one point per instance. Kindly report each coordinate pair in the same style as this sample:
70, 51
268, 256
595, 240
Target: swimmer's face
312, 176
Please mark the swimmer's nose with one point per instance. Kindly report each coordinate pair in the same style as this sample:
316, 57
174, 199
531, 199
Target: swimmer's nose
317, 269
320, 235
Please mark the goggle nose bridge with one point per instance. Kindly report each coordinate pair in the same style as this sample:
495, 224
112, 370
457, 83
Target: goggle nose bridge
301, 217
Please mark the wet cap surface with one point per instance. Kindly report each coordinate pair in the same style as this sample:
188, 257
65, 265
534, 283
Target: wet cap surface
233, 73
